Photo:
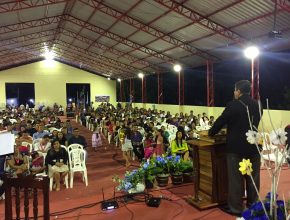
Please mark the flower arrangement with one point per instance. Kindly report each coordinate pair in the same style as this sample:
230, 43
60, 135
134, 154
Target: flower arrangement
274, 149
130, 181
160, 165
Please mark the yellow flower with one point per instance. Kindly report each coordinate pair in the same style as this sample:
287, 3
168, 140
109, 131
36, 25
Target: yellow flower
246, 167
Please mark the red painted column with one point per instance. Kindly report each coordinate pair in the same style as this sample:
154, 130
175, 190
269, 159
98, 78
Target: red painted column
143, 89
210, 83
121, 91
160, 88
181, 73
255, 75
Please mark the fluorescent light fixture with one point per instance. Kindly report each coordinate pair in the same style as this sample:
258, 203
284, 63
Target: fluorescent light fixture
251, 52
177, 68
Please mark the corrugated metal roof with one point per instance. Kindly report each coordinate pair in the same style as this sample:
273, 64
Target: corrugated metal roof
128, 36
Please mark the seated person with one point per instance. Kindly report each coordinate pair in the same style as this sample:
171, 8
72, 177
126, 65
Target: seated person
25, 137
56, 160
179, 146
18, 162
43, 146
37, 163
62, 140
25, 150
149, 145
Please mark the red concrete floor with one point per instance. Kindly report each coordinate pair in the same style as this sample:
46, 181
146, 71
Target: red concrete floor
102, 165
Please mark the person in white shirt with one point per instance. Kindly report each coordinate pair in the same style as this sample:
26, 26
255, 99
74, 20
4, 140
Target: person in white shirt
43, 146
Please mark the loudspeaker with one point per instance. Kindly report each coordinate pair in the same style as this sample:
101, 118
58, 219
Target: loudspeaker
154, 202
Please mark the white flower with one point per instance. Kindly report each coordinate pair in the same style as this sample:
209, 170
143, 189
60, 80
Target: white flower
253, 137
278, 137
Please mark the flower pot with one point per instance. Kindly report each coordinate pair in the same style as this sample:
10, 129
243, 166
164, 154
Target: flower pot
138, 189
162, 179
188, 177
148, 184
177, 178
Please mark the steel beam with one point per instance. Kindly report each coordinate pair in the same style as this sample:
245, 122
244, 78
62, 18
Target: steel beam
92, 54
30, 24
90, 59
201, 20
180, 28
110, 11
101, 46
118, 38
139, 25
26, 4
283, 4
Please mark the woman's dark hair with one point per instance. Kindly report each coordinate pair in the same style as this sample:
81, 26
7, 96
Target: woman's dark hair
179, 143
53, 142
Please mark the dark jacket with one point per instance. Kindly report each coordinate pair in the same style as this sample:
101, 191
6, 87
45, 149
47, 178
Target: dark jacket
235, 116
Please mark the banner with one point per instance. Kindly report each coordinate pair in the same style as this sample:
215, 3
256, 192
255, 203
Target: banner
102, 98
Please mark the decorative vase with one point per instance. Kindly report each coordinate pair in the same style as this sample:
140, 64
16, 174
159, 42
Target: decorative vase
162, 179
140, 187
177, 178
188, 177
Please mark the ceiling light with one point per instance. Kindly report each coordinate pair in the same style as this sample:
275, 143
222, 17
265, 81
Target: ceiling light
119, 80
177, 68
49, 55
108, 78
140, 75
251, 52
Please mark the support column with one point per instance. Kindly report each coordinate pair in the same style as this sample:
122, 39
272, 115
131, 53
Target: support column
131, 91
255, 75
210, 83
144, 90
121, 91
181, 87
160, 88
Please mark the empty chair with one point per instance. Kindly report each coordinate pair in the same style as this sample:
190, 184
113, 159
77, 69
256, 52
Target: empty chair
77, 164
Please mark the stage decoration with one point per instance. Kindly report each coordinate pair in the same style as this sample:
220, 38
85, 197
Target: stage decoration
153, 168
131, 182
273, 148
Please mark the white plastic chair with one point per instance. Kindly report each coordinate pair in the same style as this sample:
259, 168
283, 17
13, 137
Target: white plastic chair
51, 177
270, 152
77, 164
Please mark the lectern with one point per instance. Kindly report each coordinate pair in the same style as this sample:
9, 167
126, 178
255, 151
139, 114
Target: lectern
210, 173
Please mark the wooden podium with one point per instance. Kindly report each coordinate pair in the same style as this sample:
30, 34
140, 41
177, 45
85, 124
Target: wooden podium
210, 173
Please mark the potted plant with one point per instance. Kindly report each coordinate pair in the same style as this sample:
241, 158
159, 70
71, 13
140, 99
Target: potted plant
149, 171
132, 182
175, 163
186, 167
161, 169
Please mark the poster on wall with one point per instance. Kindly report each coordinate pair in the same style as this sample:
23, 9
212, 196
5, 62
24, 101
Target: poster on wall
102, 98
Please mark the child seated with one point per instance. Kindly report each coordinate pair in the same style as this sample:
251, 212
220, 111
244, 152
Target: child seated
37, 164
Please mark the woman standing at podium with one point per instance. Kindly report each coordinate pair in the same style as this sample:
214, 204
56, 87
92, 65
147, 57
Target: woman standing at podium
235, 116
